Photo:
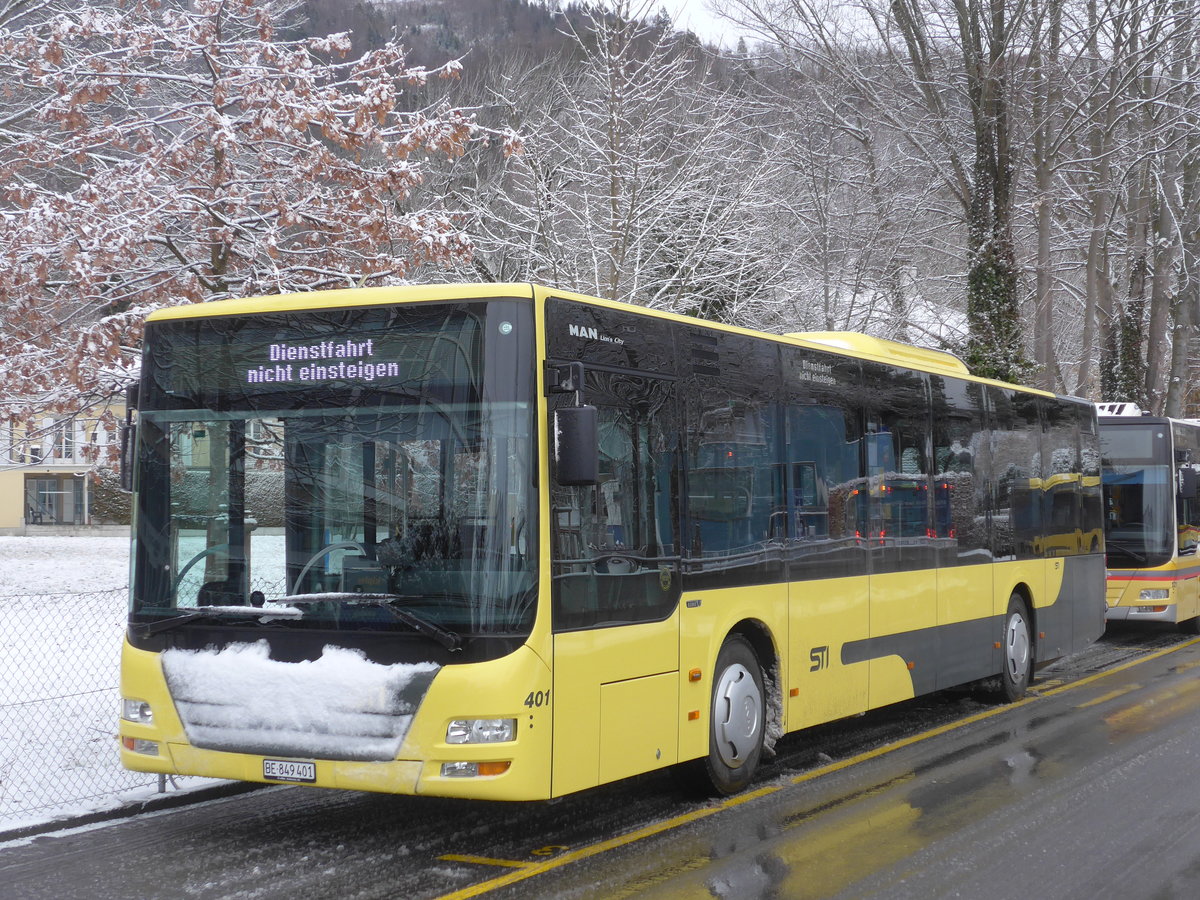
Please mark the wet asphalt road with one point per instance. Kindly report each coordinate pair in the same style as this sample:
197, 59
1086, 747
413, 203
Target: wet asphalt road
1089, 788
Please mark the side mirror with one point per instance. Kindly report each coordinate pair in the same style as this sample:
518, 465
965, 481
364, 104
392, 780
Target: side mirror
126, 463
1186, 483
576, 445
127, 438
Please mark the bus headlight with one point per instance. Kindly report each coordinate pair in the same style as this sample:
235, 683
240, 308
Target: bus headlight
481, 731
1155, 594
138, 711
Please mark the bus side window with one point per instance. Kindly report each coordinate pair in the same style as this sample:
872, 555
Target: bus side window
1062, 484
899, 528
823, 437
1018, 498
1187, 453
1188, 525
731, 479
960, 471
614, 554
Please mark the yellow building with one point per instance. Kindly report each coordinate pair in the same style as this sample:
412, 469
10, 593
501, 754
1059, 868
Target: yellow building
47, 468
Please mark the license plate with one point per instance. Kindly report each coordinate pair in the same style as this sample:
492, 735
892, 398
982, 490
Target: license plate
289, 770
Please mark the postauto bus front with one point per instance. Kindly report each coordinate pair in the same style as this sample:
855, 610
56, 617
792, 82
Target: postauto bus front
335, 545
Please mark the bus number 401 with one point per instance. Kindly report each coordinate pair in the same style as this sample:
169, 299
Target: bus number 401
537, 698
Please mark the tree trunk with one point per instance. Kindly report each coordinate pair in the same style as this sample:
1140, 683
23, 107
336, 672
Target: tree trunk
1129, 372
995, 347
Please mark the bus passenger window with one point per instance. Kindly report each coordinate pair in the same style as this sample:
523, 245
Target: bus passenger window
823, 442
960, 454
899, 526
614, 557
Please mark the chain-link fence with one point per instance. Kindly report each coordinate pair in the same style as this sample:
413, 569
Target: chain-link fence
59, 695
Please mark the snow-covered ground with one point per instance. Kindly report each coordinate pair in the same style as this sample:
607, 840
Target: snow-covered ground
63, 565
63, 603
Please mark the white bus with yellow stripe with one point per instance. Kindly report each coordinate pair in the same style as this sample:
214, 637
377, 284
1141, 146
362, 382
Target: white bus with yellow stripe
508, 542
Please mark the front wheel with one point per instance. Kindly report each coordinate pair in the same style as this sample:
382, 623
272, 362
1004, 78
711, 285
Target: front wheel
1018, 651
738, 723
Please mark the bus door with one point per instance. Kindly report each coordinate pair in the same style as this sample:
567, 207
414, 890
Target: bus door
616, 588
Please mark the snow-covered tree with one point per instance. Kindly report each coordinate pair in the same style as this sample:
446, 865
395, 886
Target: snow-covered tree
639, 179
940, 74
159, 152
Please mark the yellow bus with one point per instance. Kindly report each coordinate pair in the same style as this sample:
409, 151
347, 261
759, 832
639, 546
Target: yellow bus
507, 542
1151, 516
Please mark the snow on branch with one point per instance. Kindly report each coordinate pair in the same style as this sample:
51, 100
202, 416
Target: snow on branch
157, 156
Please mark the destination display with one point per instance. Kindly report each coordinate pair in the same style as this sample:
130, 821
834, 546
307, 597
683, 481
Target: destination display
348, 360
377, 348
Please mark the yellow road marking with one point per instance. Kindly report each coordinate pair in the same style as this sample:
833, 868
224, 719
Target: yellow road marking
533, 869
486, 861
594, 850
1121, 668
1111, 695
1161, 704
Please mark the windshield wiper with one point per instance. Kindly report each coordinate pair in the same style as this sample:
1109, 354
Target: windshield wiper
430, 629
147, 629
1113, 547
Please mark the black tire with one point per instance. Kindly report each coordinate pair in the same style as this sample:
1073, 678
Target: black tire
737, 724
1017, 650
1190, 626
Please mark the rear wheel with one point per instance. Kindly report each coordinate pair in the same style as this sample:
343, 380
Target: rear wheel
1018, 651
737, 725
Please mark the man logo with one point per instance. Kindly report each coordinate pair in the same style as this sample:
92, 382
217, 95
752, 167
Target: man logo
583, 332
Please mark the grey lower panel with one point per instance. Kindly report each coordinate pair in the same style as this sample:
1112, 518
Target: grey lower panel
942, 656
1076, 617
960, 652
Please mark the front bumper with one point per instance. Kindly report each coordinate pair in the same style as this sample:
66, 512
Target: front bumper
1155, 613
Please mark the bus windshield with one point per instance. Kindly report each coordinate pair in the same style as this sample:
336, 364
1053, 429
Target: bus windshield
360, 469
1138, 495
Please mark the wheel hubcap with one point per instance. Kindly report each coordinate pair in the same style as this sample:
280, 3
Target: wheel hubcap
1017, 647
737, 715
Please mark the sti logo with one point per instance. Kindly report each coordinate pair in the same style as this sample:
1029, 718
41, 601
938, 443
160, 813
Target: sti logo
582, 331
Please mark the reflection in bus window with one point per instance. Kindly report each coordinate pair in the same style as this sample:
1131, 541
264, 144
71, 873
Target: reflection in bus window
899, 527
960, 454
1016, 464
1062, 485
614, 547
824, 437
731, 481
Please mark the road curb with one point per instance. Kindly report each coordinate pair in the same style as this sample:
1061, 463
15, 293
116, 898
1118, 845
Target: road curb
129, 810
